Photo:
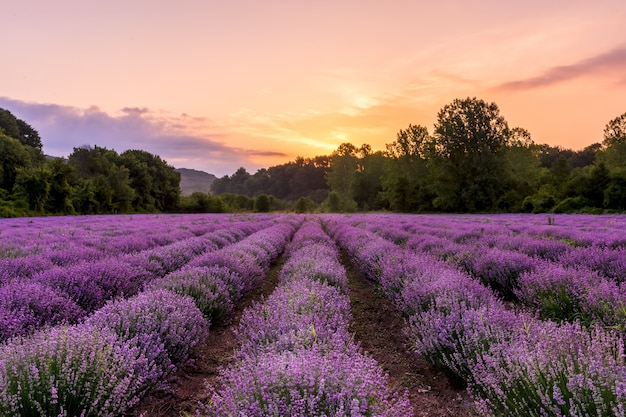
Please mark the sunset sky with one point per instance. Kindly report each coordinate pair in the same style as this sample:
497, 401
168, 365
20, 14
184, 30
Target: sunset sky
215, 85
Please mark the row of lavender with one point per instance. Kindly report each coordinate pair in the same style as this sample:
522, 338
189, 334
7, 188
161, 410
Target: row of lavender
296, 356
30, 247
513, 363
573, 269
67, 240
36, 292
105, 364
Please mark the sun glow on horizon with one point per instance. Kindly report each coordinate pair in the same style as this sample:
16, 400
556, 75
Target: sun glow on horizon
219, 86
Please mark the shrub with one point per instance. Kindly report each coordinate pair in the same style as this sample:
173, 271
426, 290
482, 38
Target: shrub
300, 313
306, 383
450, 335
70, 371
164, 326
27, 306
213, 291
553, 371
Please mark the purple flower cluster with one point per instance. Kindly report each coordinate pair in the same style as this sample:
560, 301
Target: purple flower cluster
609, 262
251, 257
128, 345
27, 305
162, 325
297, 357
500, 269
552, 370
214, 289
91, 284
306, 383
45, 293
563, 293
513, 363
301, 313
70, 371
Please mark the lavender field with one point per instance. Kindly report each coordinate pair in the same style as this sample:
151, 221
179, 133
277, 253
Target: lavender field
525, 312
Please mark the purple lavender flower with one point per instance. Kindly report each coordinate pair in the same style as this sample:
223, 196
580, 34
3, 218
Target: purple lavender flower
164, 326
300, 313
33, 305
306, 383
552, 370
91, 284
70, 371
214, 290
451, 334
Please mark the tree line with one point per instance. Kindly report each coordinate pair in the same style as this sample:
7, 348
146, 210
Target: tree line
92, 180
472, 162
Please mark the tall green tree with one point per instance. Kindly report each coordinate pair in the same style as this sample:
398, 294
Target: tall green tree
613, 153
469, 137
522, 169
103, 183
405, 181
156, 184
19, 129
344, 164
367, 181
13, 157
47, 187
343, 168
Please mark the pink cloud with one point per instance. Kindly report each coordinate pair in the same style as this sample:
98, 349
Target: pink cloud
610, 62
62, 128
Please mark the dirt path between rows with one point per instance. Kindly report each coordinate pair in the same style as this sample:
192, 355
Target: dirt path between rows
187, 387
377, 326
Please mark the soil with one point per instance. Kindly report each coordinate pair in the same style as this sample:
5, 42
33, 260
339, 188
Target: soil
188, 386
376, 325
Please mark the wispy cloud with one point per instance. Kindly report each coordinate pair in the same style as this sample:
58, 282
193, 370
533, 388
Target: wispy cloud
172, 137
613, 61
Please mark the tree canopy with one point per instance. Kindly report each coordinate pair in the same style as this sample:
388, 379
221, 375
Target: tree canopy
472, 162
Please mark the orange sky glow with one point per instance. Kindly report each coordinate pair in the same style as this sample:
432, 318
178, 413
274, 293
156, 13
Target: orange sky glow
215, 85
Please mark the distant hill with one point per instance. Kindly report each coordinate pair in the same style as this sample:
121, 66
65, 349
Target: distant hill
192, 180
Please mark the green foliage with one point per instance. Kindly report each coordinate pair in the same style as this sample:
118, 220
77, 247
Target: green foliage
473, 162
406, 177
333, 202
540, 202
262, 203
13, 157
469, 138
19, 129
156, 184
202, 203
571, 205
290, 181
304, 205
343, 168
337, 203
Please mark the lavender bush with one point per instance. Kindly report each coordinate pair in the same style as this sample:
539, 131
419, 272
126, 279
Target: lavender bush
70, 371
300, 313
162, 325
558, 293
305, 383
554, 371
26, 306
23, 267
498, 268
214, 290
451, 334
297, 356
91, 284
317, 262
